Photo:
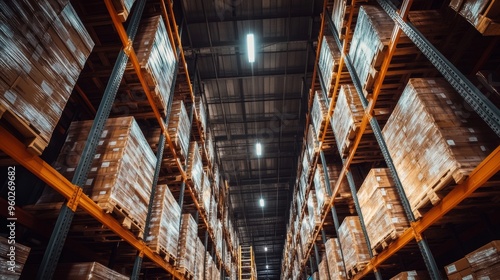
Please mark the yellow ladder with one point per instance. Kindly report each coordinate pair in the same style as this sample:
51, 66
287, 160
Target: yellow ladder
247, 268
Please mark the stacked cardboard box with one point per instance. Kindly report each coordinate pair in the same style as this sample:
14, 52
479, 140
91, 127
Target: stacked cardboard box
318, 112
482, 263
347, 117
186, 256
333, 174
312, 209
209, 147
483, 15
323, 269
206, 193
200, 255
411, 275
218, 237
305, 232
382, 211
194, 168
369, 44
312, 143
306, 165
20, 254
202, 116
209, 267
329, 58
121, 171
86, 270
335, 260
44, 49
157, 59
165, 218
322, 194
301, 190
123, 8
179, 129
315, 276
338, 16
433, 139
353, 243
296, 269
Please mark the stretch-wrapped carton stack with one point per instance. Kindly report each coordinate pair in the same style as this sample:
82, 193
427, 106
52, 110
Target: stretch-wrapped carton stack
44, 49
319, 111
218, 237
353, 245
200, 255
369, 44
322, 195
165, 217
312, 209
178, 128
306, 165
121, 171
430, 129
186, 256
305, 232
206, 193
87, 270
123, 8
483, 15
157, 59
411, 275
194, 168
335, 261
323, 269
312, 143
202, 116
482, 263
347, 117
329, 58
20, 255
209, 147
383, 213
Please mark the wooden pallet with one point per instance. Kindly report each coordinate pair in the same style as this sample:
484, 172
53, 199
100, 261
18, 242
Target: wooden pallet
23, 130
355, 269
188, 275
122, 215
391, 236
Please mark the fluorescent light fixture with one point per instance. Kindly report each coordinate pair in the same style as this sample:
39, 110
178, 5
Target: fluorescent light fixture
251, 48
265, 249
258, 148
267, 266
261, 202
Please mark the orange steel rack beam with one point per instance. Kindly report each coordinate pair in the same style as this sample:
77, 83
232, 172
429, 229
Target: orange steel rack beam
15, 149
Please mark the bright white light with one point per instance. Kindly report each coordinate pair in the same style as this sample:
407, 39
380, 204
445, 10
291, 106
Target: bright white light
258, 148
265, 249
250, 48
261, 202
267, 267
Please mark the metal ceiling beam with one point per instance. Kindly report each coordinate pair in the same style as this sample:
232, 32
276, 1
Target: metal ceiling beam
260, 98
207, 49
266, 74
245, 118
264, 135
273, 15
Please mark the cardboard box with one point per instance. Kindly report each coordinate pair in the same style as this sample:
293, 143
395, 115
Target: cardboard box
457, 266
485, 256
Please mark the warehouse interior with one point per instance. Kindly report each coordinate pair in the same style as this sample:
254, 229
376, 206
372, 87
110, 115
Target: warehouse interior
273, 153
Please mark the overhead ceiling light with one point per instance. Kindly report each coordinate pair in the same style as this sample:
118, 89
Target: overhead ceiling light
261, 202
258, 148
251, 48
267, 266
265, 249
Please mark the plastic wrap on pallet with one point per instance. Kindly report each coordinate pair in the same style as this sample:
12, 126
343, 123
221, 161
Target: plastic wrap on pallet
213, 212
10, 269
485, 256
121, 171
312, 143
206, 193
179, 128
320, 187
200, 110
215, 271
306, 165
338, 15
156, 57
323, 269
430, 128
329, 58
164, 228
411, 275
216, 173
347, 117
371, 37
472, 10
86, 270
312, 209
335, 260
334, 174
319, 111
218, 237
209, 146
353, 244
195, 167
44, 49
187, 243
305, 232
123, 8
381, 207
200, 255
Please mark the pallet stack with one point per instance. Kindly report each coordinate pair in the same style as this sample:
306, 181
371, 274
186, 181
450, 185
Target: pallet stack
334, 258
200, 255
157, 59
194, 169
305, 232
430, 129
482, 263
121, 171
202, 116
411, 275
218, 237
123, 8
381, 207
164, 229
209, 267
354, 247
483, 15
206, 193
329, 58
312, 144
312, 210
370, 43
44, 49
186, 250
86, 270
21, 255
347, 117
319, 111
178, 129
323, 269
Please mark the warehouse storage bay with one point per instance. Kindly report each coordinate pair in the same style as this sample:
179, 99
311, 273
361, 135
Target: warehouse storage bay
196, 139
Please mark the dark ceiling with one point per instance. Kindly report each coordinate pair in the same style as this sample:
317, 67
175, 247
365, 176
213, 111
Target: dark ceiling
264, 101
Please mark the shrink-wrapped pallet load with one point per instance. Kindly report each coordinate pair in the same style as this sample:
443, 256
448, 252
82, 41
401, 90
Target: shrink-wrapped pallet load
86, 270
312, 146
179, 129
329, 58
312, 210
165, 218
482, 14
218, 237
157, 60
323, 269
206, 193
305, 232
194, 168
353, 243
9, 268
44, 49
381, 207
411, 275
335, 260
123, 8
347, 117
319, 111
322, 194
369, 44
121, 171
433, 140
186, 252
200, 255
209, 147
202, 116
486, 257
